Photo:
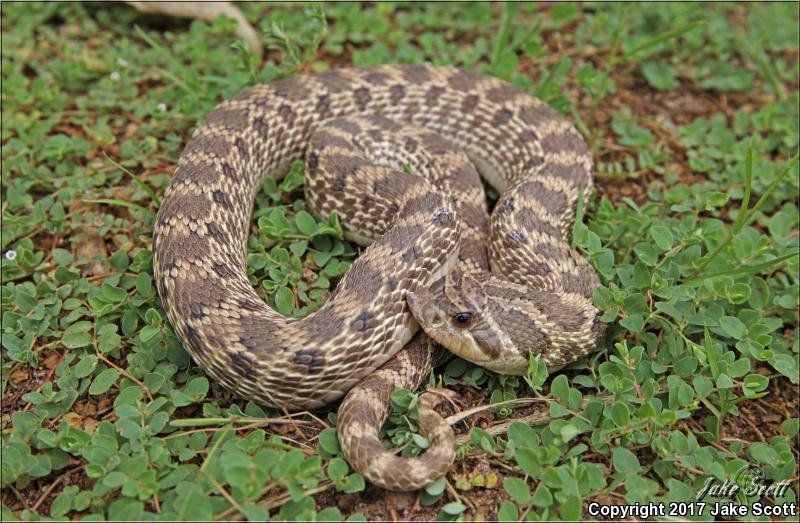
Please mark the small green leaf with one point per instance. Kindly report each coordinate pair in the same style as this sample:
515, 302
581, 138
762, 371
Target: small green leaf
148, 332
542, 497
197, 388
306, 223
337, 469
733, 327
507, 512
103, 381
454, 508
724, 382
329, 441
482, 439
436, 487
634, 322
756, 382
284, 301
74, 340
703, 386
620, 414
517, 489
625, 461
85, 366
662, 236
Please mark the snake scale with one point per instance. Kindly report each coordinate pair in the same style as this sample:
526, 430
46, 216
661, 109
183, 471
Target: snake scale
428, 235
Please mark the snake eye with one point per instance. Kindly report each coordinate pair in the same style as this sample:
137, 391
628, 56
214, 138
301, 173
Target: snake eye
461, 319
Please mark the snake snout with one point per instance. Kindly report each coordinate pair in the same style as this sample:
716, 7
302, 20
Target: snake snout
424, 309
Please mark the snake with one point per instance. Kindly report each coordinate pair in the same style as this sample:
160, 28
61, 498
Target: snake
397, 152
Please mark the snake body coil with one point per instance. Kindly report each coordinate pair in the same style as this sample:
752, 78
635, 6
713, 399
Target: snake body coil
537, 299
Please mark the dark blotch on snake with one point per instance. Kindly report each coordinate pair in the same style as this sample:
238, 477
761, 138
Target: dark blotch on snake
347, 126
163, 290
196, 311
443, 217
424, 204
462, 80
502, 93
313, 160
396, 93
530, 222
261, 103
524, 333
228, 171
287, 113
598, 327
334, 81
411, 254
375, 135
365, 282
169, 266
193, 206
502, 117
518, 236
363, 322
243, 365
194, 340
322, 140
376, 78
403, 235
230, 119
311, 359
573, 283
433, 94
473, 214
534, 162
572, 174
201, 143
324, 106
415, 74
555, 202
214, 231
341, 181
248, 304
346, 165
290, 89
470, 103
569, 141
222, 199
198, 174
362, 98
536, 116
249, 94
222, 270
565, 317
367, 201
548, 251
242, 148
249, 339
261, 126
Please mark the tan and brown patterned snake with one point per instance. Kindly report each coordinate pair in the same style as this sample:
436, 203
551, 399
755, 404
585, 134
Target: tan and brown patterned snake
426, 263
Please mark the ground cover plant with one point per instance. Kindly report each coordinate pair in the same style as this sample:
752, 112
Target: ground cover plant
691, 111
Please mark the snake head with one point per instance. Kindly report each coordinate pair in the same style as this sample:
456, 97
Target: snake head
462, 314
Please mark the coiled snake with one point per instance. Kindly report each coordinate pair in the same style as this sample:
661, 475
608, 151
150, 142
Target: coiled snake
357, 129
